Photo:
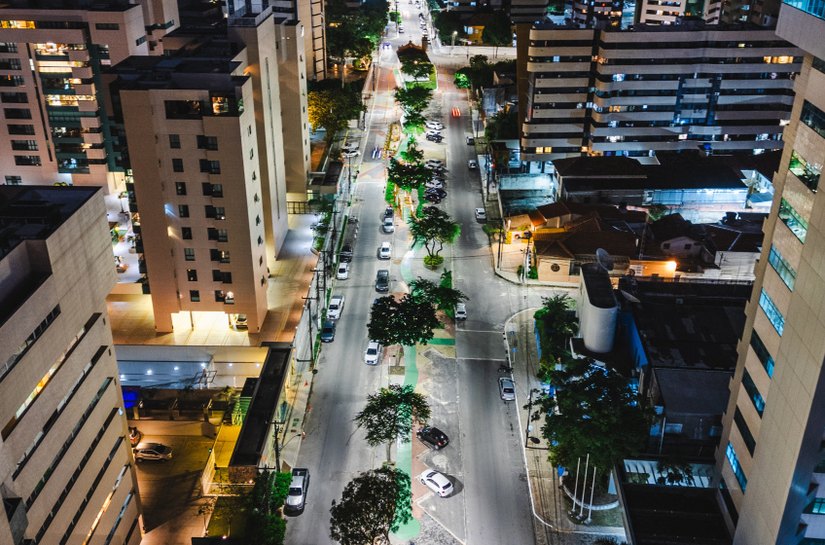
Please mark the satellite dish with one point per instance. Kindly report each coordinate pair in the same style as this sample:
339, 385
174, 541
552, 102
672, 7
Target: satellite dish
604, 260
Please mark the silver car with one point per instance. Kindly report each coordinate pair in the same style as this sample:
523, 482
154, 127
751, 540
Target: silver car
507, 389
372, 356
436, 482
152, 451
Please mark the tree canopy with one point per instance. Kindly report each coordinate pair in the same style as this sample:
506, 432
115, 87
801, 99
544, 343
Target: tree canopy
389, 414
447, 22
330, 107
503, 125
556, 323
267, 527
440, 295
416, 69
372, 505
434, 228
404, 322
413, 100
354, 33
498, 31
407, 176
594, 411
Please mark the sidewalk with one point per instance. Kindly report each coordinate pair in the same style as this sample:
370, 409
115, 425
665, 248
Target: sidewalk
550, 520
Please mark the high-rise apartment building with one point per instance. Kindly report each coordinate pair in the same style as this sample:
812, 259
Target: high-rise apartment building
602, 92
771, 456
66, 473
669, 12
53, 129
757, 12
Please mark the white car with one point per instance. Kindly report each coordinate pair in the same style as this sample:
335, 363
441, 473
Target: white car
481, 214
388, 226
507, 389
350, 146
434, 125
351, 154
373, 353
434, 164
472, 164
152, 451
385, 250
400, 29
343, 271
460, 311
432, 133
435, 184
436, 482
336, 306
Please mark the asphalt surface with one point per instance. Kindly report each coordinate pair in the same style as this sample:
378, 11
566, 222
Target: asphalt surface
484, 460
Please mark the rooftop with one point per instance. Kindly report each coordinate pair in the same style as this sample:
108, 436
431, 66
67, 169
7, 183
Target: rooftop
85, 5
694, 391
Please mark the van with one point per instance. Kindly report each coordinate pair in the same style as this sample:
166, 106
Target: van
388, 226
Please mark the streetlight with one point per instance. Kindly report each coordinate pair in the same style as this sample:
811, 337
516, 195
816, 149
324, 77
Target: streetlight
452, 45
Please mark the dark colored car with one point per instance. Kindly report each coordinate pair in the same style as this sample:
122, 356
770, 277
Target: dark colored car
388, 212
328, 332
433, 437
437, 138
433, 199
382, 281
346, 253
436, 191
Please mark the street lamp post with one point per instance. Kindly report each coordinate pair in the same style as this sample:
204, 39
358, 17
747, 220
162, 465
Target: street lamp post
452, 44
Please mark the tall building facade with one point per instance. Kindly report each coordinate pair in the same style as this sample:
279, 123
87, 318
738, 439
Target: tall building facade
600, 92
771, 454
65, 463
51, 61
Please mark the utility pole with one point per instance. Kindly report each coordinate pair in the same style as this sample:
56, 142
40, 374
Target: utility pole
311, 337
277, 448
500, 241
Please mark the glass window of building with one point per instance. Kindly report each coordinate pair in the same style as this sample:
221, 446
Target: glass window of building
793, 220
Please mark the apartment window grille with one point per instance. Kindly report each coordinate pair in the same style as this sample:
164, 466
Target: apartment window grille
195, 296
808, 173
14, 180
791, 218
21, 129
189, 254
192, 275
27, 160
180, 188
744, 431
183, 210
772, 312
210, 167
217, 190
782, 268
18, 113
220, 296
207, 142
174, 141
14, 98
177, 165
186, 233
753, 392
24, 145
762, 353
733, 460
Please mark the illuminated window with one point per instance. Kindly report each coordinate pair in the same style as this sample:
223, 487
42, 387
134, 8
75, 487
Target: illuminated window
773, 314
793, 220
753, 392
733, 460
808, 173
762, 353
17, 24
782, 268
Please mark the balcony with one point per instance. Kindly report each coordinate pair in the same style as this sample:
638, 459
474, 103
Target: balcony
16, 514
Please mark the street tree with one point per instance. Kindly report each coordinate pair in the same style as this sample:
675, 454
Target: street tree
433, 228
413, 100
372, 505
503, 125
416, 69
412, 154
407, 176
447, 22
440, 296
405, 322
389, 414
268, 494
498, 31
556, 323
331, 108
594, 411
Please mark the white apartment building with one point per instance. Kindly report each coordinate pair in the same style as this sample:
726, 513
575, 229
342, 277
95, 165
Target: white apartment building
771, 457
601, 92
51, 59
66, 471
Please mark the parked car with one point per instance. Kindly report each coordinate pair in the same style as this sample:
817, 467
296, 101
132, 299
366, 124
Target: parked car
470, 140
241, 321
481, 214
372, 356
437, 191
385, 250
336, 307
388, 226
460, 311
351, 154
346, 253
432, 132
435, 184
343, 271
507, 389
349, 147
400, 29
436, 482
433, 164
436, 138
433, 437
434, 125
328, 331
388, 212
296, 499
382, 280
472, 164
152, 451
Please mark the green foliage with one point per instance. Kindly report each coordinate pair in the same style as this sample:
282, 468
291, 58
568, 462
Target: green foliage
674, 471
355, 33
330, 107
416, 69
433, 261
404, 322
533, 273
412, 154
447, 22
266, 526
442, 296
389, 194
480, 71
556, 7
414, 99
598, 414
395, 16
657, 211
389, 414
498, 30
503, 125
372, 505
420, 207
555, 324
446, 280
461, 80
434, 228
407, 176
